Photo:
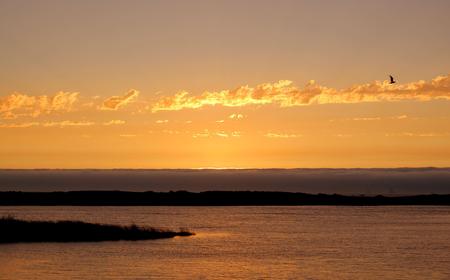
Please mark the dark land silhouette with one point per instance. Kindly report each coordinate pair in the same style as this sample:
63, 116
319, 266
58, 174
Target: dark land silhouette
13, 230
209, 198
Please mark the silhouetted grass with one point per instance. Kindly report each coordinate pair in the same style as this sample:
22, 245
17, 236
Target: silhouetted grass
14, 230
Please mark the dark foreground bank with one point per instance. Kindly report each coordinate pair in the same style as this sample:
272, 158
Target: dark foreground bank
14, 230
213, 198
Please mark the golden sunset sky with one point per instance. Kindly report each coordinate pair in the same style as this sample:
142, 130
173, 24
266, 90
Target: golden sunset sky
224, 84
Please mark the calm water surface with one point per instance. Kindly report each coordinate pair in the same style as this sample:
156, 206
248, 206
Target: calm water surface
244, 243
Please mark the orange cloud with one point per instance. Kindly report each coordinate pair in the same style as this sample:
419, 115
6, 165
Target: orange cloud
411, 134
17, 104
367, 119
115, 102
282, 135
161, 121
47, 124
19, 125
67, 123
206, 133
284, 94
236, 116
114, 122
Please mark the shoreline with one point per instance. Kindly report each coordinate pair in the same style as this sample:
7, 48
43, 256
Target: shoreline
210, 198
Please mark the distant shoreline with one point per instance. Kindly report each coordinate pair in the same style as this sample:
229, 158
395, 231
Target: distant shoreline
209, 198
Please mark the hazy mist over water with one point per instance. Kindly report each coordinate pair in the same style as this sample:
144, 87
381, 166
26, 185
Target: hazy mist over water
396, 181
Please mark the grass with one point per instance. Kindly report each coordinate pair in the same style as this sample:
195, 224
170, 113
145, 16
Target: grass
14, 230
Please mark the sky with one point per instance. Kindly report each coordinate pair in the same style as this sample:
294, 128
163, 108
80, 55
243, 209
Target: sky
224, 84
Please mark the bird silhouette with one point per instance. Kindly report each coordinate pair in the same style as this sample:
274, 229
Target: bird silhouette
392, 80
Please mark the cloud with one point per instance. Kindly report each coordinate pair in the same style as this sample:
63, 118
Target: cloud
47, 124
168, 131
67, 123
412, 134
114, 122
19, 125
203, 134
285, 94
236, 116
282, 135
161, 121
367, 119
127, 135
343, 135
401, 117
115, 102
223, 134
235, 134
17, 104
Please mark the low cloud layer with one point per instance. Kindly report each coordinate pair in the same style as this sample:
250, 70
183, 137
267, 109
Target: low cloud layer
285, 94
17, 104
115, 102
398, 181
65, 123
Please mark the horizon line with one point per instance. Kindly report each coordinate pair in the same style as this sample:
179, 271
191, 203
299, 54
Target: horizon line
225, 168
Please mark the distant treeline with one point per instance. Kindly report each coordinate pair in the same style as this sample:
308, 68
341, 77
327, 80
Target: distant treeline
209, 198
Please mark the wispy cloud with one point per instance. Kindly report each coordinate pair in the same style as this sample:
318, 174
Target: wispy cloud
161, 121
367, 119
68, 123
343, 135
17, 104
285, 94
169, 131
19, 125
401, 117
415, 134
222, 134
282, 135
236, 116
47, 124
128, 135
114, 122
115, 102
202, 134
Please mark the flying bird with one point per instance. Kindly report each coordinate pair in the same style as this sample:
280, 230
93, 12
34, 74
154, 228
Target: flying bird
392, 80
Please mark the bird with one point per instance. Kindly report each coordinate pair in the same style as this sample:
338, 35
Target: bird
392, 80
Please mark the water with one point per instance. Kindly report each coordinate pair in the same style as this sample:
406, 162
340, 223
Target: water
244, 243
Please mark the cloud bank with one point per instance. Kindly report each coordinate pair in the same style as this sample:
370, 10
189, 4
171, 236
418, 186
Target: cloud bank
115, 102
17, 104
284, 94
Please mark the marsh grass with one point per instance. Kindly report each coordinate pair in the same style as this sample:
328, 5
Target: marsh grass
13, 230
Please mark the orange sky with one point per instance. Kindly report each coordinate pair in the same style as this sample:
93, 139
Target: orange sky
165, 84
